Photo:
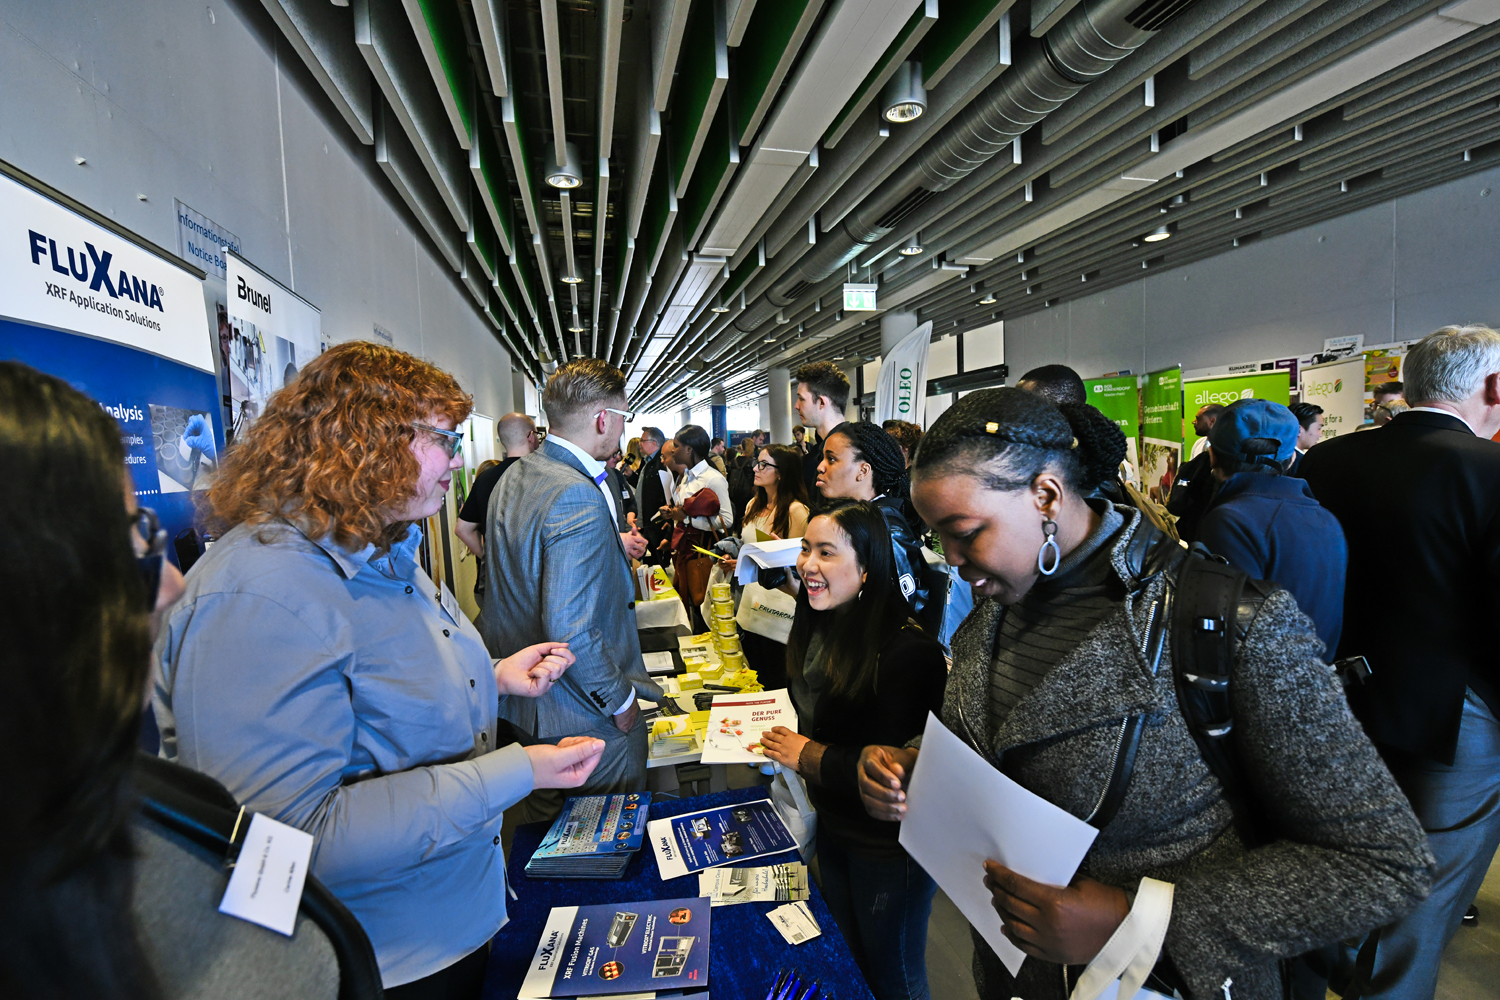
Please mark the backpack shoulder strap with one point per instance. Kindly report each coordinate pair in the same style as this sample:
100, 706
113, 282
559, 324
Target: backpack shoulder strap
1213, 608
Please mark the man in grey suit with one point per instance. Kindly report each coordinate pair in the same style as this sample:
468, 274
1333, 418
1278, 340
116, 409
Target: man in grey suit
558, 550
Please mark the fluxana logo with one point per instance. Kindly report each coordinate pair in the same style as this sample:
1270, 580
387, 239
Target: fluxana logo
1222, 396
258, 299
548, 952
666, 848
91, 267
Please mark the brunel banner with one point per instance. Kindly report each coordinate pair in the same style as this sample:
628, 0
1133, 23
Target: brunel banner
901, 389
270, 334
122, 324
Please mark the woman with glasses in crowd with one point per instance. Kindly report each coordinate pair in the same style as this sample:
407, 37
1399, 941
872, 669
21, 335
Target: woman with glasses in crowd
777, 510
316, 671
861, 674
862, 462
1064, 678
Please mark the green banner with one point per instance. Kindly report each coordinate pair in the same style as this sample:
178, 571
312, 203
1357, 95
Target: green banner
1161, 432
1225, 389
1118, 399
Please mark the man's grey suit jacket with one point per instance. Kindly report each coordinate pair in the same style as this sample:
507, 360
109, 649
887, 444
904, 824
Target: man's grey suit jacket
557, 572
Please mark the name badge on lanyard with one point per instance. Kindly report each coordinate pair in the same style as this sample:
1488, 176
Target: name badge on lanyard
449, 604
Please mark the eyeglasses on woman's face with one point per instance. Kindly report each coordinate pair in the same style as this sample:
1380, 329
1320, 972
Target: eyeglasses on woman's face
148, 539
761, 465
451, 442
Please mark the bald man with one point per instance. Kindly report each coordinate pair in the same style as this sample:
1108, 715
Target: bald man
517, 433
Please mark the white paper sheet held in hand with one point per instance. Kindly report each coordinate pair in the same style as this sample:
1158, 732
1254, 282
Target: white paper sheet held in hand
961, 812
778, 553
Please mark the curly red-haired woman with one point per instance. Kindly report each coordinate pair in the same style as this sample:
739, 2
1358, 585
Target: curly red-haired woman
316, 670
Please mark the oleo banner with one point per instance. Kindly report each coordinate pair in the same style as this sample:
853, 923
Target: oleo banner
1339, 388
1225, 389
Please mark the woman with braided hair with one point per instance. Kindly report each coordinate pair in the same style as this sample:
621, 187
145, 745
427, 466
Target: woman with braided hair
1064, 677
862, 462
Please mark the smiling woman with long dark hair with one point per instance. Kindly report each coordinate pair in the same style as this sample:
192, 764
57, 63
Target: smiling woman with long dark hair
861, 673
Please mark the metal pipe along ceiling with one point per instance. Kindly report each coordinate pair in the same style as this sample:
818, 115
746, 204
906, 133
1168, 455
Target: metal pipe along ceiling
1080, 49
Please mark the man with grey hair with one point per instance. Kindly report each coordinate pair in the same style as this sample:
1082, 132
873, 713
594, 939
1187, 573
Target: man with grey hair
559, 565
1433, 695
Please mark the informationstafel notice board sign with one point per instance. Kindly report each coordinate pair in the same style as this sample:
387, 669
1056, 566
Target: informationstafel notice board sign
123, 324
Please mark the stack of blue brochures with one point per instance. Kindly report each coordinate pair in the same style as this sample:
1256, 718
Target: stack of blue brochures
594, 838
656, 947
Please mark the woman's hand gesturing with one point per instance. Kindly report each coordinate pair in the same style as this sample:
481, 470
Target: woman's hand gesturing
530, 672
883, 776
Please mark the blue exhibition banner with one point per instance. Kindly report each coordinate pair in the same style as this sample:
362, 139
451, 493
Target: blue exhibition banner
153, 398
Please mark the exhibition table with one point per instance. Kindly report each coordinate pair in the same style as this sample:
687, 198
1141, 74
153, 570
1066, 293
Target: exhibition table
746, 952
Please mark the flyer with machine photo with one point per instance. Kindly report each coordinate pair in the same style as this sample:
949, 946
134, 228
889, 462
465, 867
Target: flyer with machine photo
646, 946
716, 837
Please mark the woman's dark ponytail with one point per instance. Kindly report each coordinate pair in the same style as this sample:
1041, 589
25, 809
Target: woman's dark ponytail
1101, 444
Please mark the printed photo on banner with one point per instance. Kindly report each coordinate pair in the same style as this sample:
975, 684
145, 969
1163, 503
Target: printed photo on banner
270, 334
1161, 432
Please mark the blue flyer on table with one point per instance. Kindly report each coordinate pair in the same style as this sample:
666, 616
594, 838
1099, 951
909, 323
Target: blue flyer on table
650, 946
594, 837
716, 837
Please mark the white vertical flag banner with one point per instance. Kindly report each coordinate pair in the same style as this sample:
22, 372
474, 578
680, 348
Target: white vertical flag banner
901, 389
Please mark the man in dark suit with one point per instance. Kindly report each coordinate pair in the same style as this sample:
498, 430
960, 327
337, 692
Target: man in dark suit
650, 498
1432, 699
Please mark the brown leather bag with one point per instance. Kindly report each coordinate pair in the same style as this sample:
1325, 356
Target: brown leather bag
693, 567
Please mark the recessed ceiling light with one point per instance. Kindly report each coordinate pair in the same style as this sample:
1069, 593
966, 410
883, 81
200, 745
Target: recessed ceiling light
718, 309
571, 279
1158, 234
904, 99
576, 329
770, 340
910, 248
988, 300
563, 175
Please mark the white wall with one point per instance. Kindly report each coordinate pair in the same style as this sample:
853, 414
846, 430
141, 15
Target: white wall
1392, 272
203, 101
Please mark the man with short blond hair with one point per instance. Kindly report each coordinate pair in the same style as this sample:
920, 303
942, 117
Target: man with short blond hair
558, 556
1433, 694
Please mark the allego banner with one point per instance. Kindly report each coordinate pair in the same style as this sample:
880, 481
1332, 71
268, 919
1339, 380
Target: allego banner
123, 325
1161, 432
1339, 388
1225, 389
1118, 398
901, 388
271, 333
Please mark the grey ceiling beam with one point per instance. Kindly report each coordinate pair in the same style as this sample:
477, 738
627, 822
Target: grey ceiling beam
552, 46
489, 18
401, 165
668, 25
323, 37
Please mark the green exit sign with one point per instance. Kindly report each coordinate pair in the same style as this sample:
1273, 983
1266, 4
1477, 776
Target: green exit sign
860, 298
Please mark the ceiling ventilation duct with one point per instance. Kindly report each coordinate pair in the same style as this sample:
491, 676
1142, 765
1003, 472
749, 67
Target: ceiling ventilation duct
1080, 49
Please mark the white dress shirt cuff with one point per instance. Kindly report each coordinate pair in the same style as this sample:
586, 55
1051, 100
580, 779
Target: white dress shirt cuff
625, 706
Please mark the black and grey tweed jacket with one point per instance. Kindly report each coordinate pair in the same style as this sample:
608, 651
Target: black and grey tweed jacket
1348, 853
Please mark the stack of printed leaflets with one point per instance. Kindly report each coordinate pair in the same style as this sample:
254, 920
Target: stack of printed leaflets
594, 838
656, 947
713, 837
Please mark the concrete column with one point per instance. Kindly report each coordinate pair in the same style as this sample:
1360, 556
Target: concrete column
780, 424
894, 326
764, 403
851, 409
718, 409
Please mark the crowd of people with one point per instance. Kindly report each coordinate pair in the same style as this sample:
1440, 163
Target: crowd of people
1294, 771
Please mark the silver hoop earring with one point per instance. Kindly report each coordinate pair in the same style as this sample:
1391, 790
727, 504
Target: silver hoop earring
1049, 529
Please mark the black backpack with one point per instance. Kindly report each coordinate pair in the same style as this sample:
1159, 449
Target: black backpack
1211, 605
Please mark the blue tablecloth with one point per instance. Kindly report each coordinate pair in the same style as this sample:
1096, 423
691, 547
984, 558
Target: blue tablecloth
747, 951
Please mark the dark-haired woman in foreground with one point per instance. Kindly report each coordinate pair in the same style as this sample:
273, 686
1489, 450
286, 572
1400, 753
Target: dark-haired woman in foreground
861, 674
81, 585
1051, 663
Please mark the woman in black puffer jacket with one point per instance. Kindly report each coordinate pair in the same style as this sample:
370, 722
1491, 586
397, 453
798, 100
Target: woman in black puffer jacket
862, 462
